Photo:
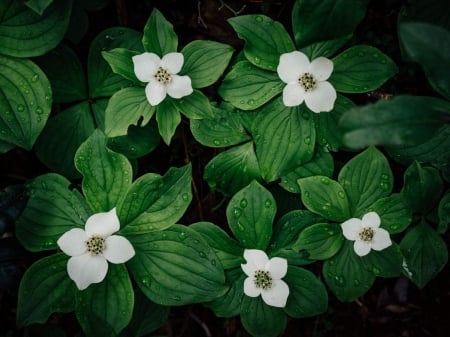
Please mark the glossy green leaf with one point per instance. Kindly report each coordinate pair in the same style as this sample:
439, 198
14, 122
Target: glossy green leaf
205, 61
284, 138
346, 275
325, 48
25, 101
52, 210
127, 107
159, 36
195, 105
385, 263
326, 197
25, 33
307, 295
155, 202
395, 214
107, 305
121, 62
250, 215
233, 169
38, 6
248, 87
403, 120
425, 254
265, 39
444, 213
229, 304
260, 319
321, 241
314, 21
422, 188
44, 289
361, 69
168, 118
176, 267
229, 252
106, 174
62, 135
366, 178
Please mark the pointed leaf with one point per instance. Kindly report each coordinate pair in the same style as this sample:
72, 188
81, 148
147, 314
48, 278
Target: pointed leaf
159, 36
121, 62
168, 118
385, 263
395, 214
321, 241
194, 106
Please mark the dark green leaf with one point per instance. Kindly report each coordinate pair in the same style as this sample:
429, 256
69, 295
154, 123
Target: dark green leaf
229, 304
444, 213
431, 11
38, 6
159, 36
325, 48
321, 241
385, 263
394, 213
121, 62
195, 105
168, 118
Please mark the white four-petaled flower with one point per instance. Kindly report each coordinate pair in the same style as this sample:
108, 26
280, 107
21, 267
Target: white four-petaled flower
306, 81
366, 233
264, 277
161, 76
91, 249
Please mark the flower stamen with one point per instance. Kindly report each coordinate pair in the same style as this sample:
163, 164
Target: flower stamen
163, 76
366, 234
262, 279
95, 245
307, 81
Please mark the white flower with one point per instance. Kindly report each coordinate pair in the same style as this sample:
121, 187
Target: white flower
307, 81
366, 233
264, 277
161, 76
91, 249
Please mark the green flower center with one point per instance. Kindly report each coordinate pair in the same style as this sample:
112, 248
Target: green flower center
366, 234
307, 81
262, 279
96, 245
163, 76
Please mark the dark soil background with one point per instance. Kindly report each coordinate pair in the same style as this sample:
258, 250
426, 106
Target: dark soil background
392, 308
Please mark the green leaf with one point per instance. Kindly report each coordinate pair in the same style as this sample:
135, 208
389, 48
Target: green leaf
156, 202
284, 138
260, 319
38, 6
205, 61
176, 267
159, 36
62, 135
315, 21
52, 210
24, 33
121, 62
250, 215
361, 69
106, 174
229, 252
195, 105
102, 80
127, 107
385, 263
366, 178
229, 304
25, 101
425, 254
402, 120
321, 241
44, 289
346, 275
431, 11
168, 118
265, 39
106, 305
422, 188
326, 197
444, 213
5, 146
429, 45
325, 48
307, 295
65, 72
233, 169
394, 213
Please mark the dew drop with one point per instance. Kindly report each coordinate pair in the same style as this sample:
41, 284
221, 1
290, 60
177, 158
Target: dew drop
39, 110
241, 227
20, 108
146, 281
35, 78
185, 196
182, 235
213, 262
268, 203
237, 212
384, 186
244, 203
384, 176
325, 181
259, 19
251, 101
341, 195
394, 227
376, 271
339, 280
307, 140
356, 283
202, 254
257, 60
216, 142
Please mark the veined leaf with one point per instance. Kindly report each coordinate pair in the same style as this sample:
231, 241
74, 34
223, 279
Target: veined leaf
159, 36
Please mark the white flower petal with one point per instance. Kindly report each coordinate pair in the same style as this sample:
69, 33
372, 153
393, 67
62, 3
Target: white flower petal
250, 289
256, 260
145, 66
118, 249
86, 269
180, 86
321, 68
293, 95
381, 239
291, 66
102, 224
321, 98
371, 219
362, 247
351, 228
277, 267
73, 242
155, 92
172, 62
277, 295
